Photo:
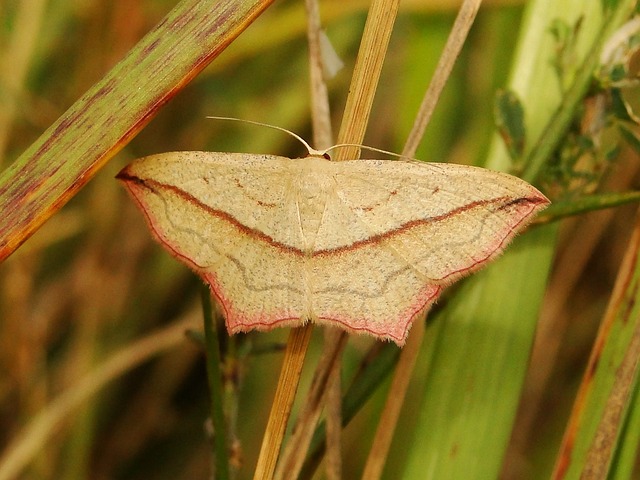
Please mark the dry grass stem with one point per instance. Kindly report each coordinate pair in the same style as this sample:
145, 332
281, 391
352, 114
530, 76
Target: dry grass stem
395, 399
459, 32
366, 73
334, 341
371, 55
283, 401
333, 411
320, 112
298, 445
288, 384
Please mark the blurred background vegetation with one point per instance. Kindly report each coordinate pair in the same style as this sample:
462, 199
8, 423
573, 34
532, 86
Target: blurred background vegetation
92, 282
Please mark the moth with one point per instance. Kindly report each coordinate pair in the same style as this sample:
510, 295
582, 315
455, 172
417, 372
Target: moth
366, 245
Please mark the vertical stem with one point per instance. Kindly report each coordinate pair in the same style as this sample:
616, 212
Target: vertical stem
297, 447
333, 407
404, 369
371, 55
214, 376
283, 401
320, 109
395, 399
333, 341
459, 32
373, 48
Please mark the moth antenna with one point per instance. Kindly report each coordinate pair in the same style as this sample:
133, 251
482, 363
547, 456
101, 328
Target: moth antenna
366, 147
312, 151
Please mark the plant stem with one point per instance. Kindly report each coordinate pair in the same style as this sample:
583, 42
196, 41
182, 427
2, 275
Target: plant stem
214, 376
459, 32
557, 127
283, 401
395, 399
374, 369
296, 450
366, 73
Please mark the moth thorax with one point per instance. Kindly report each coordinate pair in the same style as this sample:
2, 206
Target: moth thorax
312, 198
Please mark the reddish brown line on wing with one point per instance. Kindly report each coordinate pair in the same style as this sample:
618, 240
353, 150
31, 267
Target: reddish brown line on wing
154, 186
502, 202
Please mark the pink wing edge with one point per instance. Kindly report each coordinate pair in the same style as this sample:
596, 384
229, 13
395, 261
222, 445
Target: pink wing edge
237, 321
526, 212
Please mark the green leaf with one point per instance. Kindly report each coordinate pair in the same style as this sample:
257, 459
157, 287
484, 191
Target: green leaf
509, 117
585, 204
604, 408
480, 357
631, 137
621, 108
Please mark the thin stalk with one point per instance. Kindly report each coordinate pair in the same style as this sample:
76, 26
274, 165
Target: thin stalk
298, 445
459, 32
327, 375
300, 337
333, 409
373, 49
371, 55
219, 442
395, 399
387, 425
375, 40
283, 401
320, 109
375, 368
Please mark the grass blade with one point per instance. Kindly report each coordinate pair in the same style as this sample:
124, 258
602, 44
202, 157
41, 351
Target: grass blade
481, 349
601, 407
100, 123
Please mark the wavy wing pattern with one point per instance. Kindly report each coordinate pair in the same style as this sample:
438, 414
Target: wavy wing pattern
364, 244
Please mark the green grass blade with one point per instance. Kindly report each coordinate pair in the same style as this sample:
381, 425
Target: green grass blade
585, 204
601, 410
623, 464
71, 151
220, 451
481, 352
